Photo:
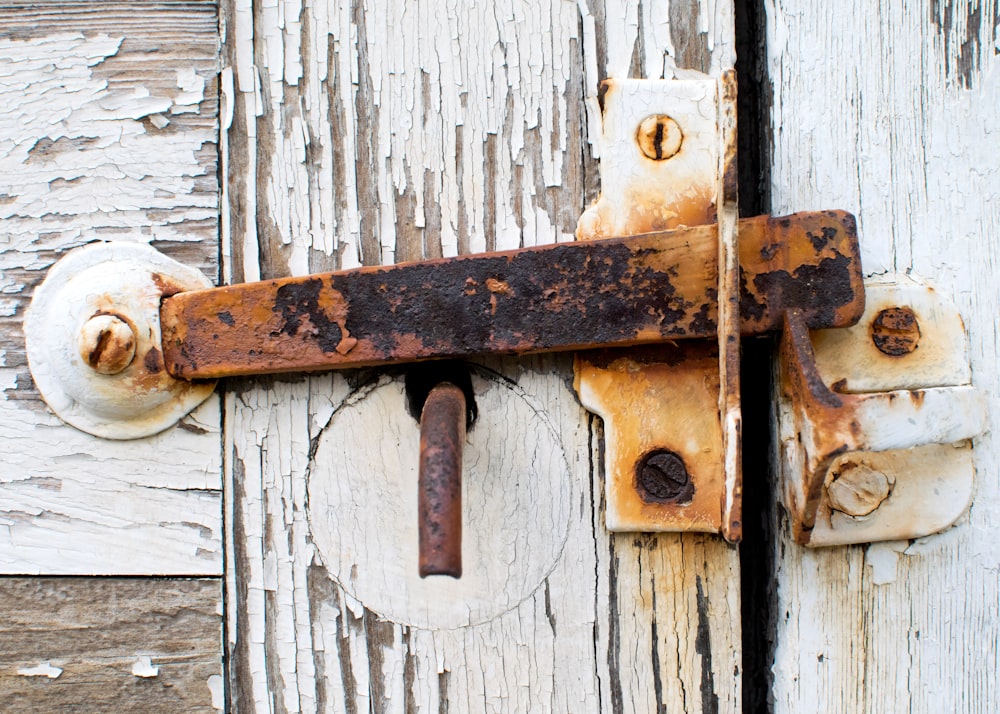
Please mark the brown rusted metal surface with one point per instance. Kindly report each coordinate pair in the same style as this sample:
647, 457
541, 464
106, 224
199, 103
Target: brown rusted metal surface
895, 331
621, 291
442, 434
652, 399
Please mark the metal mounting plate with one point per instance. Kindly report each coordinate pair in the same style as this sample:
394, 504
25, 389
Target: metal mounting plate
124, 282
668, 158
875, 442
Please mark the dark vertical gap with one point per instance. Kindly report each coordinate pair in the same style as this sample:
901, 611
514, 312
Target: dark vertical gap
757, 564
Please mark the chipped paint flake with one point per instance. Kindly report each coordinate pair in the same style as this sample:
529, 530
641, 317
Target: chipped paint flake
217, 690
44, 669
882, 558
144, 667
192, 92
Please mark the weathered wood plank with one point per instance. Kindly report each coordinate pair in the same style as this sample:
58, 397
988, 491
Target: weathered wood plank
395, 131
110, 645
108, 123
889, 111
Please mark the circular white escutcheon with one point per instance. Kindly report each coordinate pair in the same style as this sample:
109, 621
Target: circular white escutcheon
362, 506
71, 308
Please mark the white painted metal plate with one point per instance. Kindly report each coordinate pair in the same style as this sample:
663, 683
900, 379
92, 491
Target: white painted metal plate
126, 280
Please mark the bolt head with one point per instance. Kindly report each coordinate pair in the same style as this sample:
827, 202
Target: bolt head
662, 477
895, 331
659, 137
107, 343
857, 490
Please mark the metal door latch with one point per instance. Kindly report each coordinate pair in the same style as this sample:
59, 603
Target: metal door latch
654, 296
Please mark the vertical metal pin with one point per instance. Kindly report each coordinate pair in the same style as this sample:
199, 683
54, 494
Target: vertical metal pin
442, 434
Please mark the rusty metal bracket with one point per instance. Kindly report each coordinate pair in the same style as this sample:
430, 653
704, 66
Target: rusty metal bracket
875, 421
668, 157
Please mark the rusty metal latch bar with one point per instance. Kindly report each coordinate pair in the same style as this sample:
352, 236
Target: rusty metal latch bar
620, 291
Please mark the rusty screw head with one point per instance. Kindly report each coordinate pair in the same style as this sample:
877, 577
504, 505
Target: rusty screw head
662, 477
858, 490
107, 343
659, 137
895, 331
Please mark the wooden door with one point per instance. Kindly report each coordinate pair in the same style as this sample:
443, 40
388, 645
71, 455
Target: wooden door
366, 134
889, 110
348, 134
269, 530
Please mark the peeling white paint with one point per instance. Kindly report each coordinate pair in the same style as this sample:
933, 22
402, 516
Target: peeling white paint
144, 667
72, 146
871, 115
882, 558
84, 156
216, 687
45, 669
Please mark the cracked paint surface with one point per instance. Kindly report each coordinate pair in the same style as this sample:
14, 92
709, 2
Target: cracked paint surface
98, 141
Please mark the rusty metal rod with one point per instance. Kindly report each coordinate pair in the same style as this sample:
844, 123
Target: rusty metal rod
442, 434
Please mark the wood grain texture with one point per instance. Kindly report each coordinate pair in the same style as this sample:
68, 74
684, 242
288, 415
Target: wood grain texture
108, 131
890, 112
374, 133
110, 645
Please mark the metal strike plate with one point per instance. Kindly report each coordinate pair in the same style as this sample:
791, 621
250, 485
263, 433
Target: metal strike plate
876, 420
671, 416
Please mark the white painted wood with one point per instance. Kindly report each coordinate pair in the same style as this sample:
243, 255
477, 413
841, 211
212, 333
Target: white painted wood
107, 131
890, 111
401, 130
517, 496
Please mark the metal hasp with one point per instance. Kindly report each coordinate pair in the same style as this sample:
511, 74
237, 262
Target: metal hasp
655, 318
876, 420
644, 289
